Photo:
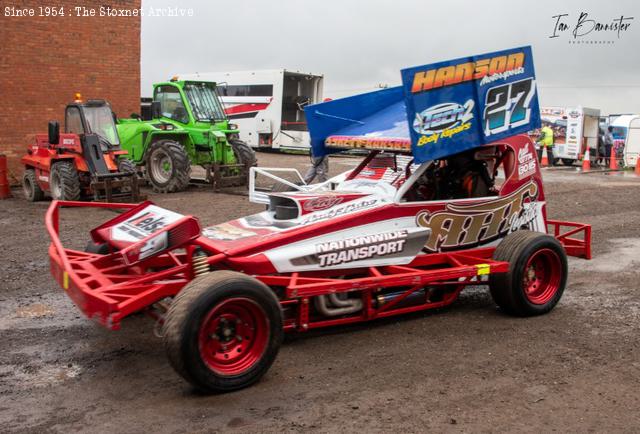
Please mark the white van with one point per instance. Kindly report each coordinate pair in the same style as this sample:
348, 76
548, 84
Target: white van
267, 105
626, 130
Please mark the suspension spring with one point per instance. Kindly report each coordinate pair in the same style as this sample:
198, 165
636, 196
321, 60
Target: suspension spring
200, 265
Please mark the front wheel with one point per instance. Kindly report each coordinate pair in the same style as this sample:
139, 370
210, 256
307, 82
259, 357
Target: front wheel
537, 273
168, 168
223, 331
244, 153
64, 181
568, 161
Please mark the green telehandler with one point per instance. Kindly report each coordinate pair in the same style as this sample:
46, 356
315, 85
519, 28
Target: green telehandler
187, 126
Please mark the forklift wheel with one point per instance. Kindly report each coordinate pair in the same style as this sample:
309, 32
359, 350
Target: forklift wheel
64, 181
126, 166
32, 191
223, 331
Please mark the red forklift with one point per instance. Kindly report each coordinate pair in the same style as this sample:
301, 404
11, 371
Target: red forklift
83, 163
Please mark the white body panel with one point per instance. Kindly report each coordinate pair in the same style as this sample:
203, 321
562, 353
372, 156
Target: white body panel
267, 104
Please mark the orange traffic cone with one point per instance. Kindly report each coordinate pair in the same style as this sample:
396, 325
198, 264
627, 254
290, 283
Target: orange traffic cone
637, 169
586, 161
613, 163
545, 159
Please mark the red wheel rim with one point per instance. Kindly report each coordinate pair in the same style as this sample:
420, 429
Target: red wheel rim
542, 276
233, 336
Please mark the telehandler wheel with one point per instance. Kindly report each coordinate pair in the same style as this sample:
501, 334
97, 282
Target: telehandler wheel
537, 273
223, 331
168, 168
64, 181
32, 191
244, 153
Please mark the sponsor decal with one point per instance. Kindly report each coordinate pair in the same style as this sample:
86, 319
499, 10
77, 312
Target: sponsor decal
443, 120
144, 223
321, 203
154, 245
339, 211
226, 232
468, 225
382, 143
68, 141
487, 68
358, 248
526, 163
43, 178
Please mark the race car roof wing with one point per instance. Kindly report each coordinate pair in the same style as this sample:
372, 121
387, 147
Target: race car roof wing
441, 109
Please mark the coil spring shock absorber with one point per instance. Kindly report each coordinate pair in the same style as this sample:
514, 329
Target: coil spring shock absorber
199, 263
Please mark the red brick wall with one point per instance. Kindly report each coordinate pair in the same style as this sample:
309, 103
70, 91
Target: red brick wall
45, 60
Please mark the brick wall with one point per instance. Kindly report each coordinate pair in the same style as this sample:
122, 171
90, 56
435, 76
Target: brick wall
45, 60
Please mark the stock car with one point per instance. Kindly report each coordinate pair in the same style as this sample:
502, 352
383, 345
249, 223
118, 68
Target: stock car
391, 236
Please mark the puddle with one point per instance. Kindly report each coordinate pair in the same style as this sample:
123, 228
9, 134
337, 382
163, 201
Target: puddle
623, 254
41, 376
36, 310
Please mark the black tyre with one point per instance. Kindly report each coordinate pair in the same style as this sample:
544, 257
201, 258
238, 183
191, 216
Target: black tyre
244, 153
223, 331
568, 161
126, 166
97, 248
64, 181
537, 273
168, 168
32, 191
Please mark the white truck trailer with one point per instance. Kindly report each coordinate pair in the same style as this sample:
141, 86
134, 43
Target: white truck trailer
267, 105
575, 129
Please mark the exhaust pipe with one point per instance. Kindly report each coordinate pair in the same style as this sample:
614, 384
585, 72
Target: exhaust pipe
331, 305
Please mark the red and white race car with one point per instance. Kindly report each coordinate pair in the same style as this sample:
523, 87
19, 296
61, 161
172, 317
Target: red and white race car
386, 238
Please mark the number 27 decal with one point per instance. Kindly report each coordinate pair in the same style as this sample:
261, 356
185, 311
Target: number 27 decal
507, 106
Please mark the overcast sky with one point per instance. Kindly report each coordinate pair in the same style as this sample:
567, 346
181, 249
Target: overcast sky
358, 45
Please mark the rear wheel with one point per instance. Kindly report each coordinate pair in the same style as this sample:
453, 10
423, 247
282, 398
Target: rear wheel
537, 273
64, 181
223, 331
32, 191
167, 166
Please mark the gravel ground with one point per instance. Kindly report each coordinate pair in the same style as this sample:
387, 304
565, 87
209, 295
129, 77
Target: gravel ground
467, 368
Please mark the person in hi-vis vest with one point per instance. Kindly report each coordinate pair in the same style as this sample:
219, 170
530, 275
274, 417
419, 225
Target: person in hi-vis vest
546, 141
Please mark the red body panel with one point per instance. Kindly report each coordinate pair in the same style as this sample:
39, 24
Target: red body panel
41, 155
